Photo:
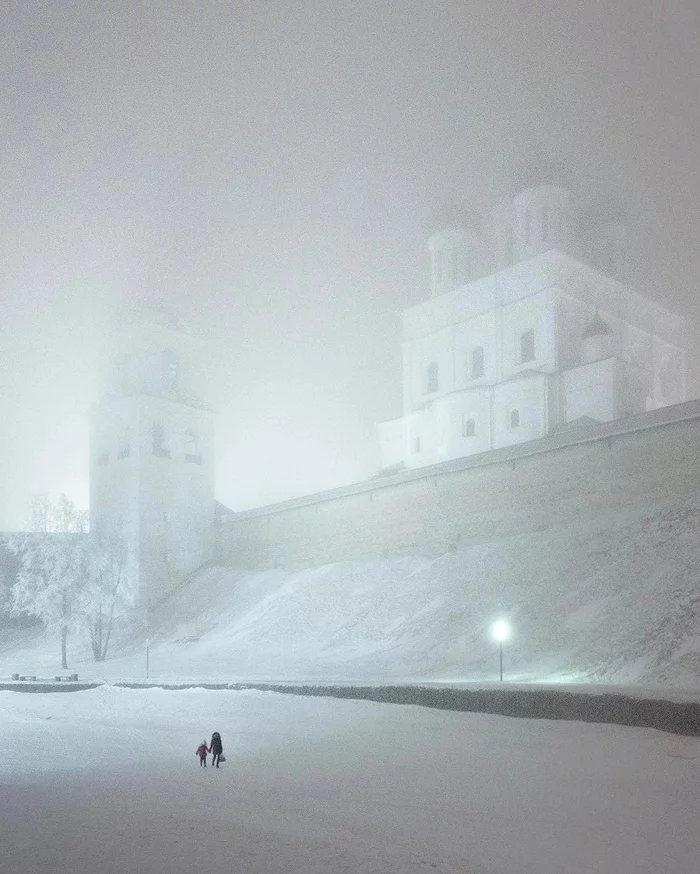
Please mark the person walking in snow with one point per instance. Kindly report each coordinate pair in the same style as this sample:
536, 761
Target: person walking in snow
202, 751
216, 749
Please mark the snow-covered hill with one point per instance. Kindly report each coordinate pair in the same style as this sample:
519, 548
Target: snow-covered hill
615, 601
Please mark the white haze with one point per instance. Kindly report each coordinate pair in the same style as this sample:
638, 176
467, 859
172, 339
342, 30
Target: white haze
270, 168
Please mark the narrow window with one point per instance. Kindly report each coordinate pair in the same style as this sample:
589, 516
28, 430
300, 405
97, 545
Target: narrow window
464, 267
124, 449
122, 376
103, 459
440, 266
509, 245
514, 419
432, 382
477, 362
527, 346
160, 446
468, 427
416, 445
169, 369
192, 453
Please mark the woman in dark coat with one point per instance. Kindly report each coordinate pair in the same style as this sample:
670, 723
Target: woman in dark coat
216, 748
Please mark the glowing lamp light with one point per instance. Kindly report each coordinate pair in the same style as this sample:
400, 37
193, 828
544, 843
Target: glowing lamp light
500, 631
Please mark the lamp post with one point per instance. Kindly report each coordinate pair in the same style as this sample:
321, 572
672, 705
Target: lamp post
500, 631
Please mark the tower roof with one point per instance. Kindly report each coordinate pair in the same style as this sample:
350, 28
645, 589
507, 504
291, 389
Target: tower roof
539, 171
597, 327
455, 214
152, 312
603, 209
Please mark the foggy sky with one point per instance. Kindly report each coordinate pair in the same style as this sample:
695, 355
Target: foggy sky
269, 168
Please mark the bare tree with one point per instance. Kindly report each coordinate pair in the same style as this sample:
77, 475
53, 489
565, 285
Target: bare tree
109, 592
53, 561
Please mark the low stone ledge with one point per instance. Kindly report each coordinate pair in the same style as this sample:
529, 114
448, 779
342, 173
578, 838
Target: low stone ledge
47, 686
614, 709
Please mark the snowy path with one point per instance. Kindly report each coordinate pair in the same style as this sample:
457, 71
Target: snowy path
319, 786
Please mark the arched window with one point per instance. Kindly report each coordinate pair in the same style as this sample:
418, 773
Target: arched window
122, 377
509, 245
160, 446
463, 268
441, 266
477, 370
432, 381
514, 419
169, 369
192, 452
527, 346
549, 223
468, 427
124, 449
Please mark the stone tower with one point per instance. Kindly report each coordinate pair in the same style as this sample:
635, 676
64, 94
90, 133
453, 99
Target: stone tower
152, 451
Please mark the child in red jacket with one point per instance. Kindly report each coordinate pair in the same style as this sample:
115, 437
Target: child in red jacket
202, 751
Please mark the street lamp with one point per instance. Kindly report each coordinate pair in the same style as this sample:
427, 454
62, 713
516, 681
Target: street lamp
500, 631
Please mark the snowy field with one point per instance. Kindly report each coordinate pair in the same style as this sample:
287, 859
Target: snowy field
107, 781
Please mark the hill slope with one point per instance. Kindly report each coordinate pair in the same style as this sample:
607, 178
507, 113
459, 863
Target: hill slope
614, 601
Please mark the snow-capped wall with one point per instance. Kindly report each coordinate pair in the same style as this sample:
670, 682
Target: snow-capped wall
569, 477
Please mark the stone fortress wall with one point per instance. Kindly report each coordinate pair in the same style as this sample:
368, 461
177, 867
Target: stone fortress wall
572, 476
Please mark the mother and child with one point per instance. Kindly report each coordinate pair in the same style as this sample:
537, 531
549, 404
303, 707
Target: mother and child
215, 748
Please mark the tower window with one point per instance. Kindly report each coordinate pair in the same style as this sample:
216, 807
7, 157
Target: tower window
477, 370
468, 427
169, 369
509, 245
441, 266
124, 449
514, 419
192, 452
122, 377
432, 381
464, 266
549, 223
160, 446
416, 445
527, 346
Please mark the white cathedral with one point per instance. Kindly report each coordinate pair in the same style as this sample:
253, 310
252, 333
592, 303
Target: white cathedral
528, 329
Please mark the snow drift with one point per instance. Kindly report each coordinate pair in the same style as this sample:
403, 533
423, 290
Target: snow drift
610, 601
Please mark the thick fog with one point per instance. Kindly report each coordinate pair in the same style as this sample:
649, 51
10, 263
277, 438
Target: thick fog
270, 169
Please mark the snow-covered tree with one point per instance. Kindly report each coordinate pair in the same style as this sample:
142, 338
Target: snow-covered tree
54, 558
108, 593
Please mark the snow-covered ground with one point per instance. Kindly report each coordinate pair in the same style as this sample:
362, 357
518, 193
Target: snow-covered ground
613, 601
107, 780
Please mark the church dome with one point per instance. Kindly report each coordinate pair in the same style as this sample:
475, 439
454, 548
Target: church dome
603, 210
538, 172
597, 327
455, 214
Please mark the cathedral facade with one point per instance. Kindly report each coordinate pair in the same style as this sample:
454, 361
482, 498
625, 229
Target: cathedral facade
529, 329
